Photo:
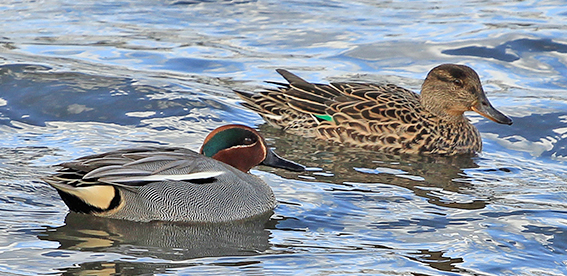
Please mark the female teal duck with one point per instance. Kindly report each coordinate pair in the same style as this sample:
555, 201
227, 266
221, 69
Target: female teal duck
384, 118
174, 184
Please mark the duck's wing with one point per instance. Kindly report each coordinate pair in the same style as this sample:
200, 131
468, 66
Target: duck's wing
135, 167
374, 102
295, 105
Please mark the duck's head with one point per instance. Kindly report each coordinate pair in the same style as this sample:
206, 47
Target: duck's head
243, 148
451, 89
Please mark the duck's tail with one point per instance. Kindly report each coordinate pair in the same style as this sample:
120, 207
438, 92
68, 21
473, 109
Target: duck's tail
85, 198
297, 105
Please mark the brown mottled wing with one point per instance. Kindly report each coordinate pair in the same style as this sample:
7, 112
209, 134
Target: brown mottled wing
272, 106
293, 105
308, 97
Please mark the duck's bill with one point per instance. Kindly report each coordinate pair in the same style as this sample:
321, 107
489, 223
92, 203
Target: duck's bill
485, 109
273, 160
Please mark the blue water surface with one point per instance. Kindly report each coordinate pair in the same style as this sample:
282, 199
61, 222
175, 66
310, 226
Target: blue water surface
83, 77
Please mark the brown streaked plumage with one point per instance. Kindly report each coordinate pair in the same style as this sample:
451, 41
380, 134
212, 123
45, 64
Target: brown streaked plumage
384, 118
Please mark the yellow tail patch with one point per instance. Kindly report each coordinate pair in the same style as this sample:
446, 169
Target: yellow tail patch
99, 196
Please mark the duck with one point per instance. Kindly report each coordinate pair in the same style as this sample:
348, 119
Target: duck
382, 117
158, 183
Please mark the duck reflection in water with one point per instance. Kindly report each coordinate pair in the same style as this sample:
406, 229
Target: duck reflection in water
163, 240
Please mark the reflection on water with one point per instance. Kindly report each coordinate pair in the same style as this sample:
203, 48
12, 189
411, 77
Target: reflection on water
163, 240
156, 240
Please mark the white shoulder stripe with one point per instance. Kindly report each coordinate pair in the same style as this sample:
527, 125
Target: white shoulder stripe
162, 177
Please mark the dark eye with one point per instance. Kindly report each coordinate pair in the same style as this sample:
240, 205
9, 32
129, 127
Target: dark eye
248, 141
458, 82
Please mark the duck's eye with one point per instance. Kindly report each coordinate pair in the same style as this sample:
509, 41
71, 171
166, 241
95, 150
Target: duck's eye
248, 141
458, 82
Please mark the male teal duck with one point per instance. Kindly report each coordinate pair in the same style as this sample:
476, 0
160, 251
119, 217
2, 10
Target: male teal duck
385, 118
174, 184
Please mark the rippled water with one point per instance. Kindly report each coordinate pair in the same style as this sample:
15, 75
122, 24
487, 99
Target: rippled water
81, 77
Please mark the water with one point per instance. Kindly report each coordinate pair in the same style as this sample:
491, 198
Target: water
82, 77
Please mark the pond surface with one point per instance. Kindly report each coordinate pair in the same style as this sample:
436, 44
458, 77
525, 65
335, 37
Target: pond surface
83, 77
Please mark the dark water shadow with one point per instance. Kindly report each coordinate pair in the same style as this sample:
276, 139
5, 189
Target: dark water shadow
35, 94
535, 128
119, 267
437, 260
502, 52
162, 240
344, 165
125, 268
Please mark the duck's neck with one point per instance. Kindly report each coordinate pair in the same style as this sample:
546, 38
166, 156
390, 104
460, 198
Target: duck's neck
443, 112
455, 118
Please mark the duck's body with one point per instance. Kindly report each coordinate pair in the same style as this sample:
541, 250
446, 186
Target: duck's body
172, 184
385, 118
